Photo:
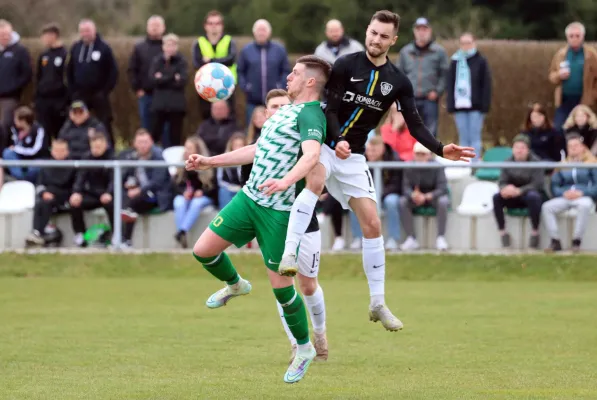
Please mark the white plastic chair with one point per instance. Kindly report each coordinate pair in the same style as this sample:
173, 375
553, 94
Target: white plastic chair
454, 173
173, 154
477, 198
17, 196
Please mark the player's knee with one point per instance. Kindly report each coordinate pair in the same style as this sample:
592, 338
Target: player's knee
202, 251
308, 285
371, 227
316, 184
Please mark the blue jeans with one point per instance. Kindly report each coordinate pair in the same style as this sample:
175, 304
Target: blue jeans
564, 110
355, 227
29, 174
429, 111
144, 103
391, 205
186, 211
470, 128
225, 196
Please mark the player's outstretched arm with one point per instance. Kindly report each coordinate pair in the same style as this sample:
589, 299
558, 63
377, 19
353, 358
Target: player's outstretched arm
242, 156
311, 150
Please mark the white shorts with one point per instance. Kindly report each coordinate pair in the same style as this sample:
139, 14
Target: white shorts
308, 255
347, 178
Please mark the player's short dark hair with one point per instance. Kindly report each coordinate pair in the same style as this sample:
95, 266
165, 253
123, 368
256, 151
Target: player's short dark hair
316, 63
387, 17
213, 13
25, 113
51, 28
272, 94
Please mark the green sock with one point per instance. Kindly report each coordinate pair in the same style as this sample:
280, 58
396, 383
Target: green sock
221, 267
294, 313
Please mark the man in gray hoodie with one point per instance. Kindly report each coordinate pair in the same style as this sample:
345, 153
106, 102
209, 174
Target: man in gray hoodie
337, 44
426, 64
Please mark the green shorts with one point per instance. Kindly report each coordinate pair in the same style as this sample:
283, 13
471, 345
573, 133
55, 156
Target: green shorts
242, 220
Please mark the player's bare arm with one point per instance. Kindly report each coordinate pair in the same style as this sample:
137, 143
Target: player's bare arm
242, 156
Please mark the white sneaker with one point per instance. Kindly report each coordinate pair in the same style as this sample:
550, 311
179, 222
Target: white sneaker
222, 296
79, 239
410, 244
339, 244
441, 244
356, 244
288, 265
391, 245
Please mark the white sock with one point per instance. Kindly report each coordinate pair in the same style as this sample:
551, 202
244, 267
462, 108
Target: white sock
285, 325
316, 306
305, 347
300, 217
374, 263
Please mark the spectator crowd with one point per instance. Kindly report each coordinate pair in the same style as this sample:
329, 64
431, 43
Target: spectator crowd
71, 118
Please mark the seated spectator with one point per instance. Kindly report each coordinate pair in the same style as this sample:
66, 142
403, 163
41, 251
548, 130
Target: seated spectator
257, 120
546, 142
572, 188
93, 188
216, 130
146, 188
395, 133
424, 187
194, 191
28, 142
168, 74
76, 129
53, 190
229, 178
520, 188
582, 120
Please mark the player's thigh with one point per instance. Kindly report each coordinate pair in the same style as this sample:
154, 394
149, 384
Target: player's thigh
354, 179
234, 223
270, 230
309, 254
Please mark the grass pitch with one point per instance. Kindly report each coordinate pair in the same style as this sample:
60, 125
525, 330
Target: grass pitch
135, 327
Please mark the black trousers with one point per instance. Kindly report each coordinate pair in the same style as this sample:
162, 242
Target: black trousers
175, 119
99, 104
141, 205
51, 114
531, 200
89, 202
334, 209
42, 211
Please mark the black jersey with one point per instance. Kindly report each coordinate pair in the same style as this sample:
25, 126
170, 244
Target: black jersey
358, 96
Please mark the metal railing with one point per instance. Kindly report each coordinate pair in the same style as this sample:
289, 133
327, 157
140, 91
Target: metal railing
377, 167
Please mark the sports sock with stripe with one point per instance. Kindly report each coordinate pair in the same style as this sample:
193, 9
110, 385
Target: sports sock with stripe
285, 325
294, 313
300, 217
221, 267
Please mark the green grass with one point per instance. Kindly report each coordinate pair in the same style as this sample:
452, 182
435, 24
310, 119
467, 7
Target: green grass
135, 327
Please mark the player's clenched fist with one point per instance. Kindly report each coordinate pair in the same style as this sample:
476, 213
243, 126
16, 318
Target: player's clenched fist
343, 150
197, 162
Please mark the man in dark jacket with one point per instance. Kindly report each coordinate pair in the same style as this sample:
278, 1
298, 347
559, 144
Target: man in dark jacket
468, 92
15, 75
76, 130
144, 53
262, 66
92, 73
93, 188
424, 187
53, 190
520, 188
216, 130
51, 95
146, 189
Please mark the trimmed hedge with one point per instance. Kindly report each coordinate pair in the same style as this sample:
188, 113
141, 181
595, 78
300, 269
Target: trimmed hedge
519, 78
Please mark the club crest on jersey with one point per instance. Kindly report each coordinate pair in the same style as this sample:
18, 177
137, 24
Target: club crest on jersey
386, 88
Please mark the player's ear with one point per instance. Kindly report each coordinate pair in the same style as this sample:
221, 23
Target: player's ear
394, 40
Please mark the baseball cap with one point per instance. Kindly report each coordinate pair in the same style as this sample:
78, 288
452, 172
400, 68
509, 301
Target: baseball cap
521, 137
419, 148
78, 104
422, 21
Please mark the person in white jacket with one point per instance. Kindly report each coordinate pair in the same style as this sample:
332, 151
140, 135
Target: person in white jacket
337, 44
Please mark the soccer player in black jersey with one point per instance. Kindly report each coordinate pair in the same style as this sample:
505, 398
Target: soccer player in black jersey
362, 87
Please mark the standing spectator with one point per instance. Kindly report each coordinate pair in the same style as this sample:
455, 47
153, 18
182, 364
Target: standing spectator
168, 75
337, 43
144, 53
195, 190
93, 187
420, 187
574, 188
395, 133
92, 73
216, 47
217, 129
15, 73
262, 66
426, 65
582, 120
146, 188
28, 143
77, 128
229, 178
546, 142
574, 72
53, 190
520, 188
51, 95
469, 92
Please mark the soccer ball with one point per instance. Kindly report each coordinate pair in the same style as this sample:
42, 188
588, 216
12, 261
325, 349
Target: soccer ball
214, 82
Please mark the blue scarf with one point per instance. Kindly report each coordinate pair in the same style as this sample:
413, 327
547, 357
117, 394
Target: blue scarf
462, 86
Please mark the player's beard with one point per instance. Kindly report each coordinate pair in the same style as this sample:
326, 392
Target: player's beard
375, 52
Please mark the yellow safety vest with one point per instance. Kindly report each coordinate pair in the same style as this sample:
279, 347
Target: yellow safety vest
207, 50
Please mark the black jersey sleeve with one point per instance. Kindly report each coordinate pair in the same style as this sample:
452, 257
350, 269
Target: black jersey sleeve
413, 120
335, 91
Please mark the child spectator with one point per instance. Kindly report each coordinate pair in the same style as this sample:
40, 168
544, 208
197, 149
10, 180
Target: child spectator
229, 178
582, 120
194, 191
545, 142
